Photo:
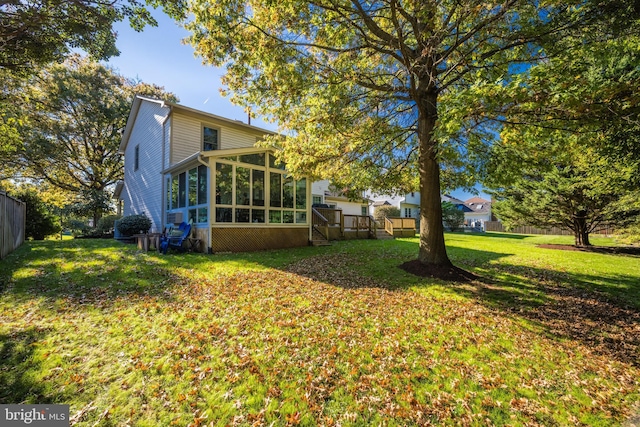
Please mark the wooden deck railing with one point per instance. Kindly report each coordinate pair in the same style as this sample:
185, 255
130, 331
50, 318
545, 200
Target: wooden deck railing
325, 218
320, 223
362, 224
332, 216
400, 226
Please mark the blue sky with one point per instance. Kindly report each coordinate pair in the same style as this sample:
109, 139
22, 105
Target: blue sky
157, 55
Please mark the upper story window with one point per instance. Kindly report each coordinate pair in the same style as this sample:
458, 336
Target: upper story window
136, 158
210, 139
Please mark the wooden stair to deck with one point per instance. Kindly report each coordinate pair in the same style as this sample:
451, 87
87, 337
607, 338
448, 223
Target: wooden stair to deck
318, 239
381, 234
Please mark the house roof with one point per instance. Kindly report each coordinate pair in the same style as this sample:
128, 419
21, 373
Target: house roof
138, 100
335, 195
118, 190
477, 199
381, 203
478, 205
192, 159
480, 208
199, 156
447, 198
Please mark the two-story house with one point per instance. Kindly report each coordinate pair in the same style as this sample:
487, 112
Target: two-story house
323, 193
408, 204
182, 164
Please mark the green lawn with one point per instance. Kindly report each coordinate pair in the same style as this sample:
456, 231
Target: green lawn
322, 336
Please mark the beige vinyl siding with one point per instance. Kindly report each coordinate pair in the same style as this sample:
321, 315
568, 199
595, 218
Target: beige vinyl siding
186, 136
236, 138
166, 150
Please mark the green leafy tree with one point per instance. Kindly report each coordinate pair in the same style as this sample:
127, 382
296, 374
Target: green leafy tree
37, 32
569, 155
383, 212
452, 217
588, 87
553, 179
73, 114
10, 118
379, 94
41, 220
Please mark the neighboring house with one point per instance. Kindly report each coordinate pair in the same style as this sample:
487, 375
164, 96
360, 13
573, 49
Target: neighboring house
479, 212
408, 204
186, 165
476, 210
323, 193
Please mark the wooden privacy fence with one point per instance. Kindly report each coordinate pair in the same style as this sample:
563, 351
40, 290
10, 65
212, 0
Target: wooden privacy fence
498, 226
13, 215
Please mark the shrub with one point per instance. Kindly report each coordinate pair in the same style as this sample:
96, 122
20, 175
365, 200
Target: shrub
386, 211
41, 222
107, 223
452, 217
629, 235
77, 226
134, 224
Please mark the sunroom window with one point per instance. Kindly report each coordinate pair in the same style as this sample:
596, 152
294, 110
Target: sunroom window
248, 190
189, 191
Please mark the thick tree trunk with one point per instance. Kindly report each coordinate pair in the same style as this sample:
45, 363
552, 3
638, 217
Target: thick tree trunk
580, 231
432, 248
581, 239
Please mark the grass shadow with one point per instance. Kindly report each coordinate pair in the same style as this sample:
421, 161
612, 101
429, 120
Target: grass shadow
596, 311
84, 271
505, 235
608, 326
17, 384
601, 312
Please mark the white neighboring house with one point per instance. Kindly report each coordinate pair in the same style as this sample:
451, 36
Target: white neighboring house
479, 212
476, 210
409, 204
322, 193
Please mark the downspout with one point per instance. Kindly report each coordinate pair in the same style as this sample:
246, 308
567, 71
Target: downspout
200, 160
310, 211
163, 193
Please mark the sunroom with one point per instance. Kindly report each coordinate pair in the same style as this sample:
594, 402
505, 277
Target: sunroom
239, 200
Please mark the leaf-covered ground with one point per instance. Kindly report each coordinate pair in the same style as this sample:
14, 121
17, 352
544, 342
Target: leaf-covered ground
322, 336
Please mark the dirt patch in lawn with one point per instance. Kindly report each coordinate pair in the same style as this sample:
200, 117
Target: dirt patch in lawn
626, 250
448, 273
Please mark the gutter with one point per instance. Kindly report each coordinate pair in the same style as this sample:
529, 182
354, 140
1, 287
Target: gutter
200, 160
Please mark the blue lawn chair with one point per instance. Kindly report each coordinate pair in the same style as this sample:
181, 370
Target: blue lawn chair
175, 238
